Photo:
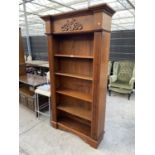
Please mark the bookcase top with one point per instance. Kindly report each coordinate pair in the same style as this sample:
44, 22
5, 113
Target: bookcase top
94, 18
90, 10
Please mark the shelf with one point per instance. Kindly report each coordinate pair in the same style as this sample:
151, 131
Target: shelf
78, 76
74, 56
26, 91
74, 126
75, 94
76, 111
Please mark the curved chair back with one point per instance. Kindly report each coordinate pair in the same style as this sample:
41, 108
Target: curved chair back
124, 70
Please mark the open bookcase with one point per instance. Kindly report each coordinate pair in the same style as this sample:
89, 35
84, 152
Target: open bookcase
78, 51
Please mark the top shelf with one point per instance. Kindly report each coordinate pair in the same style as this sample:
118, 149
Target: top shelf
73, 56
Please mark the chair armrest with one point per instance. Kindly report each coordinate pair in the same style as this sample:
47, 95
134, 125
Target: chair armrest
131, 82
112, 78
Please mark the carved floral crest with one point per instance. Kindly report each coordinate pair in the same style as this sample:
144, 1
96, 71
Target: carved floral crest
71, 25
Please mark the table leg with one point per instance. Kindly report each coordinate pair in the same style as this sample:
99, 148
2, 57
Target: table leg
36, 105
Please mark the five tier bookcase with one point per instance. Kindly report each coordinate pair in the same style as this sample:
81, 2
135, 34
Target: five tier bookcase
78, 52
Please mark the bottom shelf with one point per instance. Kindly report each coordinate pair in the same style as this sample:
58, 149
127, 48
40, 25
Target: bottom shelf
75, 126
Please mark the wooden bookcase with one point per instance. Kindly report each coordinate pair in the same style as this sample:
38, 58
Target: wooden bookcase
78, 51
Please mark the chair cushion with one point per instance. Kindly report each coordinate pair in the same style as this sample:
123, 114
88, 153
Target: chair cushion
121, 85
120, 90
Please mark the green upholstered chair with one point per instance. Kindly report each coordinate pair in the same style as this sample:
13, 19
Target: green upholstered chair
123, 78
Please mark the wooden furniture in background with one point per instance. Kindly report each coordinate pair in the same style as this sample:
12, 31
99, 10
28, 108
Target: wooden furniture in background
32, 80
37, 63
37, 66
28, 84
78, 51
22, 68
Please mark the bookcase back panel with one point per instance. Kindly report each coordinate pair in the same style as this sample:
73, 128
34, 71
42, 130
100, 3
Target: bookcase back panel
81, 67
80, 44
64, 115
74, 84
72, 102
74, 107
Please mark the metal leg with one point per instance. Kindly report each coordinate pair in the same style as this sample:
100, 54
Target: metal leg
36, 105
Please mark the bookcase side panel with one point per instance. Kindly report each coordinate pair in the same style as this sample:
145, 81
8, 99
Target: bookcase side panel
96, 78
103, 82
51, 51
100, 66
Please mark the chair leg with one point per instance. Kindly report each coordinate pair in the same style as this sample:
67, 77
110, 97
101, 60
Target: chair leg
129, 95
109, 92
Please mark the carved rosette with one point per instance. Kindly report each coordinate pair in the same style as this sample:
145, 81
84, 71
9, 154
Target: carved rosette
71, 25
